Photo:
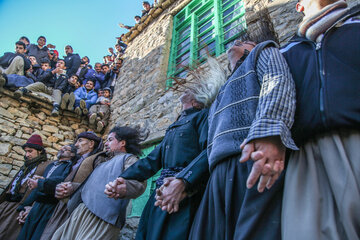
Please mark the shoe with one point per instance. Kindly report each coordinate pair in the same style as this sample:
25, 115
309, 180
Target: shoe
85, 111
2, 80
70, 106
100, 126
64, 101
20, 92
78, 111
82, 104
55, 111
101, 114
92, 118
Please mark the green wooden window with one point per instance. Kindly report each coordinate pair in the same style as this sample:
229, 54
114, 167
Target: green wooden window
138, 204
204, 25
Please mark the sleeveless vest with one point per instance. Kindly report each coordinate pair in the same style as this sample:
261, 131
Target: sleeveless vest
108, 209
234, 109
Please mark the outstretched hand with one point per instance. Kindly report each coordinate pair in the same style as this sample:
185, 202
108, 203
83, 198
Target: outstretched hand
116, 189
268, 155
170, 194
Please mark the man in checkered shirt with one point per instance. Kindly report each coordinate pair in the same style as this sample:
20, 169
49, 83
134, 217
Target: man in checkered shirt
249, 131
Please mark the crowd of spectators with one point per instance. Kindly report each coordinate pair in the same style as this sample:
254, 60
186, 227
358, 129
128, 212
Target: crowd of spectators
70, 83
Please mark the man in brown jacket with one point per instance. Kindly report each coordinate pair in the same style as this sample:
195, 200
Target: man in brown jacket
17, 191
89, 147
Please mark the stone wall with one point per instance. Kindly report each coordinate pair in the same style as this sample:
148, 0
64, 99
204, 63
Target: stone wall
20, 118
140, 98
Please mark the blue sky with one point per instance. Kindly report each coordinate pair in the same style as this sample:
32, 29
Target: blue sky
90, 27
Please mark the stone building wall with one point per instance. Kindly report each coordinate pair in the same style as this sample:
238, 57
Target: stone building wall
20, 118
140, 98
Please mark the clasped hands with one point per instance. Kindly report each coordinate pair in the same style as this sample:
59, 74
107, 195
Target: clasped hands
268, 155
168, 196
64, 190
33, 182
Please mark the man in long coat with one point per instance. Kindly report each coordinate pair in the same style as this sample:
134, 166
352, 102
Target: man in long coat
97, 216
181, 154
17, 191
88, 146
42, 198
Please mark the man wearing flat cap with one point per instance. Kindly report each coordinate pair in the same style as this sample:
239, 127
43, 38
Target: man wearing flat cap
89, 147
17, 191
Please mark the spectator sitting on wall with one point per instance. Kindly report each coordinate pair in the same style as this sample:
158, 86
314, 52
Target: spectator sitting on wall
36, 67
101, 110
98, 76
112, 53
68, 98
83, 71
14, 63
85, 97
52, 83
25, 40
16, 81
147, 7
72, 60
137, 19
111, 76
40, 51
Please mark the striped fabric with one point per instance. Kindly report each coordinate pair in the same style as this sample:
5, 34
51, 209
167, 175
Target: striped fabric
276, 107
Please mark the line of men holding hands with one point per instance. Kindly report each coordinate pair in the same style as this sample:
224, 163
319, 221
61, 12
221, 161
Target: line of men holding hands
302, 99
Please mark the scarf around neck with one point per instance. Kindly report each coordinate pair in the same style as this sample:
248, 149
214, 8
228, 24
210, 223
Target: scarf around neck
315, 25
25, 170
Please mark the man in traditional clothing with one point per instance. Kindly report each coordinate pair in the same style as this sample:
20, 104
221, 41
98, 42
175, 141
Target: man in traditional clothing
100, 217
43, 196
251, 116
181, 154
322, 185
17, 191
88, 146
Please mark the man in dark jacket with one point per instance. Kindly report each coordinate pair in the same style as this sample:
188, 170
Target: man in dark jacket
53, 83
89, 150
72, 60
14, 63
68, 97
181, 154
40, 51
42, 199
17, 191
321, 196
83, 71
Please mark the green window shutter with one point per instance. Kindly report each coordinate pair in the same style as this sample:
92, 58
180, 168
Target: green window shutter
139, 203
203, 25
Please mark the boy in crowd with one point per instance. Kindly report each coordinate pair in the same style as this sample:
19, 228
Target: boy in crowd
85, 97
68, 99
101, 110
15, 63
40, 51
52, 83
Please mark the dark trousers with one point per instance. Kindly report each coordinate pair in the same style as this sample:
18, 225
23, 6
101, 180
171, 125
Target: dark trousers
229, 210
